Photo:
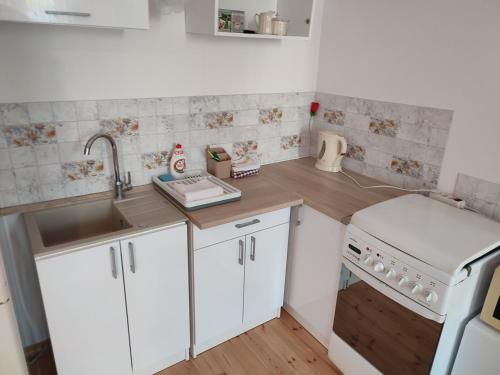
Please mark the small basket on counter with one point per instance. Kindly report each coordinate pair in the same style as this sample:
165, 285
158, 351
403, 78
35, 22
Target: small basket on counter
218, 162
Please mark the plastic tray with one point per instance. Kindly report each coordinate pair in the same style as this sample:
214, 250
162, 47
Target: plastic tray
230, 194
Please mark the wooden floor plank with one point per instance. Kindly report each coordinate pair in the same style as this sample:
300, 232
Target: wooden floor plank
278, 347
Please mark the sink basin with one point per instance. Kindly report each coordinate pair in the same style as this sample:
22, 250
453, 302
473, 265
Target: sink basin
62, 225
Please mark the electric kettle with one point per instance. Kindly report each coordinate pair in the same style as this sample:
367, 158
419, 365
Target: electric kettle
332, 150
264, 22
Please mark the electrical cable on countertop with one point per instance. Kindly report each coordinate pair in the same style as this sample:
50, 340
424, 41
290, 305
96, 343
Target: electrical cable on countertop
398, 188
389, 186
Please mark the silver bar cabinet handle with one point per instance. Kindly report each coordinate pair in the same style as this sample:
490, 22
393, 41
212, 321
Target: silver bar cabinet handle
64, 13
240, 258
131, 256
247, 224
114, 271
252, 248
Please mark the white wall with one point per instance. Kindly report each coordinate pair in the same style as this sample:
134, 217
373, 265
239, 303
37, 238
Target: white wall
41, 62
437, 53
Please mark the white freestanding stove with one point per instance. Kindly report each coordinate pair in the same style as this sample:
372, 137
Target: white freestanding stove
414, 271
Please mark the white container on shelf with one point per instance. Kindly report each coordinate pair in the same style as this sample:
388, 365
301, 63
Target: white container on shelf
280, 26
264, 22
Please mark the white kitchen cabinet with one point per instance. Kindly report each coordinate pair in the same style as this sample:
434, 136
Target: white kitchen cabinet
156, 284
265, 266
313, 270
84, 303
110, 13
119, 308
238, 282
218, 284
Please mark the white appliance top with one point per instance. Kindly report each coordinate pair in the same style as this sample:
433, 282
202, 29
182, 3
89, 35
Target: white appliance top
445, 237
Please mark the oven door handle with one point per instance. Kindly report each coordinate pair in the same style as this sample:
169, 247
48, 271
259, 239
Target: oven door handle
391, 293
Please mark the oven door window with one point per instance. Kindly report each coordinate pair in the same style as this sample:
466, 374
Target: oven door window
392, 338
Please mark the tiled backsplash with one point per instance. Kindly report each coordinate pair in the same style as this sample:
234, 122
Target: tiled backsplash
41, 144
395, 143
481, 195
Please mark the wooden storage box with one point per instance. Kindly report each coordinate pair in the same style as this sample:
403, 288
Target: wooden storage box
222, 168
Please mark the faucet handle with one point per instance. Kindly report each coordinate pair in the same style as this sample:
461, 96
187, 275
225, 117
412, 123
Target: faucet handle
128, 182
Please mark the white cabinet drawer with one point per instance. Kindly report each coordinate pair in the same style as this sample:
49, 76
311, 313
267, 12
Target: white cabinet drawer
224, 232
110, 13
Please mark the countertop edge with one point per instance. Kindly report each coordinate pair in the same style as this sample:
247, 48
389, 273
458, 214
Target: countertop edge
248, 214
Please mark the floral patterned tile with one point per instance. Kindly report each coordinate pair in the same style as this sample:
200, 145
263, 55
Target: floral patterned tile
45, 133
216, 120
407, 167
385, 127
245, 149
19, 136
356, 152
270, 116
28, 135
78, 170
155, 160
334, 117
120, 127
290, 141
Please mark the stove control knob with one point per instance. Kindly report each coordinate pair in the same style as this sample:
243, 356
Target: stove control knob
390, 273
430, 296
378, 267
368, 260
402, 280
416, 288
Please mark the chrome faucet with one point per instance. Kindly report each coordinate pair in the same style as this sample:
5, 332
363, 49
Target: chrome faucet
120, 187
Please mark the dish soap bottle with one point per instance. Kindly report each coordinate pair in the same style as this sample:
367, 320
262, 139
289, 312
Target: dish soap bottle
178, 162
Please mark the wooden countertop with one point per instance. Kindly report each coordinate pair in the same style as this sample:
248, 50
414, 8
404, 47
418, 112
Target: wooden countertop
258, 195
333, 194
279, 185
291, 183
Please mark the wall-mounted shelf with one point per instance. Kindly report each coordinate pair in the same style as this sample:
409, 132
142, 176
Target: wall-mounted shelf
202, 17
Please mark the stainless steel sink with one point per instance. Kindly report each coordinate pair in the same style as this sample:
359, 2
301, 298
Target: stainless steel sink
63, 225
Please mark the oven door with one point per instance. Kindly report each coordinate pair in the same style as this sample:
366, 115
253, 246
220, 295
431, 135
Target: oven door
393, 338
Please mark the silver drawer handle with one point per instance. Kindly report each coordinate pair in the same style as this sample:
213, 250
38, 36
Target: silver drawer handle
4, 302
131, 256
248, 223
114, 271
240, 258
252, 248
63, 13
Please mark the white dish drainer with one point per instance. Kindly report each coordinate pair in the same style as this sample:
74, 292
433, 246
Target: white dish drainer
230, 194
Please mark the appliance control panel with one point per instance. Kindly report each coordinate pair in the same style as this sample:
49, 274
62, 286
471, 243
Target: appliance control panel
409, 281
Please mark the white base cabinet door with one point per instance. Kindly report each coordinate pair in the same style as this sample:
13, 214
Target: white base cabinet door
218, 287
265, 266
313, 271
238, 282
84, 302
155, 268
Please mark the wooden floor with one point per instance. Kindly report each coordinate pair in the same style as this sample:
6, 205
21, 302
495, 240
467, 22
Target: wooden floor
281, 346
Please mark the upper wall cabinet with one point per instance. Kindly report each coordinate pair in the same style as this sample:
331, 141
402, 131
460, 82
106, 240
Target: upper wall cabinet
133, 14
237, 18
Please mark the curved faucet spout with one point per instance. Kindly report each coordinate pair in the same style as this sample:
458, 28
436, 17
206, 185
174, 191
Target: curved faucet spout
119, 186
